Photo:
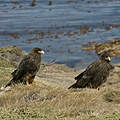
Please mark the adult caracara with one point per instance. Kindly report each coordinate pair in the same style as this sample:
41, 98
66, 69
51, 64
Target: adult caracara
95, 74
27, 69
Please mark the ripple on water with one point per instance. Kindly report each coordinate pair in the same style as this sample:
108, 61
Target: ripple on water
60, 27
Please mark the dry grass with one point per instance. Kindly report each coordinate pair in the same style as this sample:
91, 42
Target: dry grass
46, 101
113, 96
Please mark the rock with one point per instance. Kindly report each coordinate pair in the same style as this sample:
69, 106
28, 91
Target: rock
12, 54
2, 88
112, 47
89, 46
6, 64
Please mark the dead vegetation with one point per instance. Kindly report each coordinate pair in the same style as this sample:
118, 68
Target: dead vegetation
14, 35
11, 54
111, 46
113, 96
49, 99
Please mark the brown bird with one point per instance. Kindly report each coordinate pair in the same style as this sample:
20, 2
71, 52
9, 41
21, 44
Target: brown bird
27, 69
95, 74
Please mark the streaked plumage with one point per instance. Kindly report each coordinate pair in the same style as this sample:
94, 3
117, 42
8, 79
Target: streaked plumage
27, 69
95, 74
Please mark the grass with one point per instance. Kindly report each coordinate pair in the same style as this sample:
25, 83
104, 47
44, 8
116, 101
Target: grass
11, 49
5, 64
45, 102
113, 96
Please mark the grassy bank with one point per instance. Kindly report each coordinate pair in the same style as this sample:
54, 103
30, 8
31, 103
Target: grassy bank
44, 101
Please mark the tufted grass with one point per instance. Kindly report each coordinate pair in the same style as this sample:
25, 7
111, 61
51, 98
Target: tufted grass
44, 102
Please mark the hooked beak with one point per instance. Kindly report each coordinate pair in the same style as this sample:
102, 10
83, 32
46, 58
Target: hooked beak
108, 59
41, 52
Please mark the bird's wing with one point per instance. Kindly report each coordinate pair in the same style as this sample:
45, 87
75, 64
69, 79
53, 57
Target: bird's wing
79, 76
93, 68
13, 73
89, 70
26, 65
84, 78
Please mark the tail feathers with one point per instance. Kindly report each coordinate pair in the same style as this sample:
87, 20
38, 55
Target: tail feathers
73, 86
11, 82
13, 73
79, 76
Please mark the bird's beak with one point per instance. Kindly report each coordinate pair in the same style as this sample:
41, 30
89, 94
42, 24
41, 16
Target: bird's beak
41, 52
108, 59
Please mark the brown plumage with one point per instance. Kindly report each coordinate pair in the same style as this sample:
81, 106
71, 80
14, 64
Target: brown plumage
95, 74
27, 69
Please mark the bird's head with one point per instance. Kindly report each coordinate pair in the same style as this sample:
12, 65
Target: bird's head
37, 50
105, 56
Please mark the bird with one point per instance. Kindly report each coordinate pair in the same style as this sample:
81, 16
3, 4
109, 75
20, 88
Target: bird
27, 68
95, 74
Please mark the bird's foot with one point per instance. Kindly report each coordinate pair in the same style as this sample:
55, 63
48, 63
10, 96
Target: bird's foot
28, 85
98, 88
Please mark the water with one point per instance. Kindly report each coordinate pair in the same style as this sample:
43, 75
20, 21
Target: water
55, 27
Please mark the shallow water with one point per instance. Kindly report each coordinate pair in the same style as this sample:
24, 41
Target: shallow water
60, 28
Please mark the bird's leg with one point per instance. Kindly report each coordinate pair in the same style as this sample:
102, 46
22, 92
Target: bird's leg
90, 85
27, 80
31, 79
27, 83
98, 88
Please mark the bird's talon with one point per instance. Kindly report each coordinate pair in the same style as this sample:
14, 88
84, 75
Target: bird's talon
28, 85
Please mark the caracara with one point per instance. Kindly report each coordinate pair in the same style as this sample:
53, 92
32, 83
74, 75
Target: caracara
27, 69
95, 74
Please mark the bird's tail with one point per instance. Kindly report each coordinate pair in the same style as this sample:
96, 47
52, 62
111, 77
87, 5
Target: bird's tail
73, 86
11, 82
